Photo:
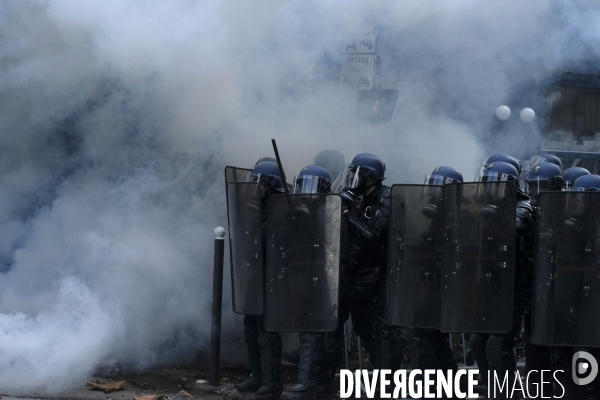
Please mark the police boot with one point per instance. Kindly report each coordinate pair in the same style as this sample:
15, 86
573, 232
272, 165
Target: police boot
308, 386
251, 339
270, 367
253, 383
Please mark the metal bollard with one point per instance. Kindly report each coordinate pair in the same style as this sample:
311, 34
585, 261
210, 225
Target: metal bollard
217, 302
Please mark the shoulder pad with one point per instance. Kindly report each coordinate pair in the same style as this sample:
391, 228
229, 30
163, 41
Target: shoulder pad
526, 214
383, 196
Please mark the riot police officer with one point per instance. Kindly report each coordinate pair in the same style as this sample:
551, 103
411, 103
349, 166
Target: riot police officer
264, 348
580, 228
364, 258
495, 352
314, 375
543, 177
429, 348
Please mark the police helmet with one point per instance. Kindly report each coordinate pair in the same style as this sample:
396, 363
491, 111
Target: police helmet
433, 192
587, 183
362, 166
502, 157
497, 172
579, 204
312, 179
544, 177
267, 175
551, 158
571, 175
271, 159
443, 175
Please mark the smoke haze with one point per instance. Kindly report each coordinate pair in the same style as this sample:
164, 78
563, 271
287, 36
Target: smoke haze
118, 117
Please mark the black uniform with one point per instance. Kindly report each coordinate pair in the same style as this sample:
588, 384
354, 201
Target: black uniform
561, 356
496, 352
429, 348
264, 348
362, 281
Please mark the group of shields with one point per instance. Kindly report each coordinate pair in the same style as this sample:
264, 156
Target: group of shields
451, 259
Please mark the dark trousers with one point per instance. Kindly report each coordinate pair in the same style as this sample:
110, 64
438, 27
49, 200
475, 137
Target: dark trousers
264, 349
361, 300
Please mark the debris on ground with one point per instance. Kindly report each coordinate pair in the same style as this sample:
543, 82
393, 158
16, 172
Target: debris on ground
108, 386
145, 397
200, 381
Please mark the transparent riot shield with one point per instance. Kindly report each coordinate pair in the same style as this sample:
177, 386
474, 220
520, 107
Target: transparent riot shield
414, 256
478, 257
302, 262
567, 270
235, 174
244, 210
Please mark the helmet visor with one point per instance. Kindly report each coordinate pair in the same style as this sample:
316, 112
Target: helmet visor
310, 185
352, 177
479, 172
265, 182
438, 180
494, 184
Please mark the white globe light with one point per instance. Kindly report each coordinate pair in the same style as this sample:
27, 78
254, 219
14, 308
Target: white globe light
527, 115
219, 232
502, 113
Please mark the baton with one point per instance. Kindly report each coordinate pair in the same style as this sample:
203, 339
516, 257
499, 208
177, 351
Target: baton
285, 187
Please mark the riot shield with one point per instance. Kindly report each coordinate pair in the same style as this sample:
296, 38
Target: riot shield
567, 270
244, 210
414, 256
235, 174
478, 261
302, 262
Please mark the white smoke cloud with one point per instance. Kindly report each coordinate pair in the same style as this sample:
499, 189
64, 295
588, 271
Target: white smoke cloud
117, 118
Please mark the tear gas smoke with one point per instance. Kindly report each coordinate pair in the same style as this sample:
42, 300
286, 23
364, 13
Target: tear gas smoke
118, 118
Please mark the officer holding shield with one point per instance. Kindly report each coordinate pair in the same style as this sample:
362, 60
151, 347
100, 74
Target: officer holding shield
364, 260
429, 347
264, 348
495, 352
